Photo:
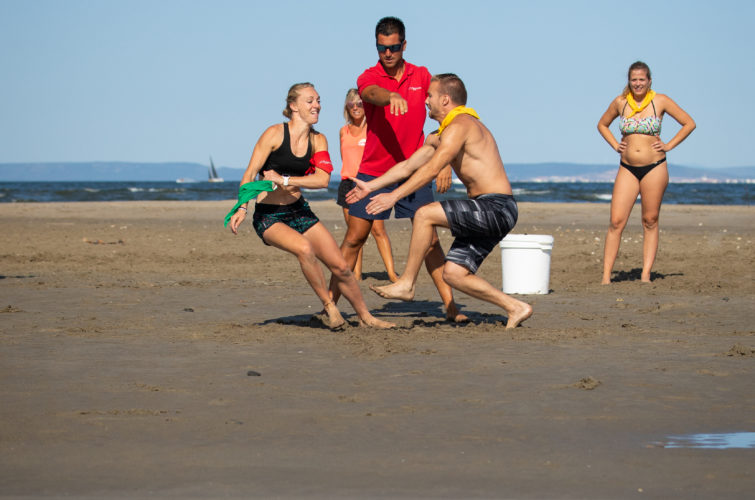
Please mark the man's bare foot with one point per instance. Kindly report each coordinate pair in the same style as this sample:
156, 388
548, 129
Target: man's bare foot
373, 322
454, 316
335, 320
605, 282
394, 291
521, 312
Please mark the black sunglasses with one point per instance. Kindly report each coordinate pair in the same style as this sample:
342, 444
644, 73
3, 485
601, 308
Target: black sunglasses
394, 48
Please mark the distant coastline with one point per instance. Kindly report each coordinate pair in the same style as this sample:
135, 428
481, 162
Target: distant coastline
166, 172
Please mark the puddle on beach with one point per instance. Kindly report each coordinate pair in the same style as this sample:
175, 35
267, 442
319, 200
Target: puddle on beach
712, 441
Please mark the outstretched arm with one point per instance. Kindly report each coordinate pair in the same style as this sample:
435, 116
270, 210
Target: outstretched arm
453, 140
397, 173
374, 94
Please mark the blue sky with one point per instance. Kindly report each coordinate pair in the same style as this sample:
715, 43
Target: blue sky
167, 80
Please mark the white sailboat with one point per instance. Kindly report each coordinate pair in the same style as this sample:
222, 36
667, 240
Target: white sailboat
213, 174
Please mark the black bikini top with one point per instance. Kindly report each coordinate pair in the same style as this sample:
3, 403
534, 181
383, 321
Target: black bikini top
283, 161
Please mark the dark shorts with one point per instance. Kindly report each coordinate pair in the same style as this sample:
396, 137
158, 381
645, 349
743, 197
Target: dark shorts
297, 216
405, 208
478, 224
344, 187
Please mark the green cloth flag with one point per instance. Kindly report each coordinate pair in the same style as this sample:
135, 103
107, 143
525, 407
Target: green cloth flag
249, 191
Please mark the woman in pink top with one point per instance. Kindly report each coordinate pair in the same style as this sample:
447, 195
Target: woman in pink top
353, 137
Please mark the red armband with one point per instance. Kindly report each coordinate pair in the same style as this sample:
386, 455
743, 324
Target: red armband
320, 160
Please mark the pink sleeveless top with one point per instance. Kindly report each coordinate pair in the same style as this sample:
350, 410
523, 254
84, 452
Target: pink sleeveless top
352, 149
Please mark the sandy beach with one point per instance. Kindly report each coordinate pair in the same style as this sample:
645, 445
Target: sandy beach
146, 352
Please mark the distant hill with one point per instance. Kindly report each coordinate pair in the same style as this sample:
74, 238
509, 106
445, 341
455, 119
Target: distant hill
521, 172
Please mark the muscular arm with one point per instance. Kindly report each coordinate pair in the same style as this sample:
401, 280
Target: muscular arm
270, 139
374, 94
404, 169
453, 140
397, 173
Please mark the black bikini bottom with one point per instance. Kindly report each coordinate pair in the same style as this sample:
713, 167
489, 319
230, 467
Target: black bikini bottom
640, 172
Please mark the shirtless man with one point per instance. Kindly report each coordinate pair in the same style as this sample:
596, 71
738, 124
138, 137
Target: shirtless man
478, 223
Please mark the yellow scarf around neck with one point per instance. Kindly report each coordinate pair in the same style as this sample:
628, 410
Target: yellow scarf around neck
644, 104
458, 110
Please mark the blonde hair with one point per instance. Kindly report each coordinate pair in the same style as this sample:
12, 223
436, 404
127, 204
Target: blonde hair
350, 95
293, 94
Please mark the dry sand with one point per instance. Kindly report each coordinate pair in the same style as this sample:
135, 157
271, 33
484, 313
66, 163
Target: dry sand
128, 332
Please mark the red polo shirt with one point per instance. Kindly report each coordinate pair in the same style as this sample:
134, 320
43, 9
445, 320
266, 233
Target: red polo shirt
392, 139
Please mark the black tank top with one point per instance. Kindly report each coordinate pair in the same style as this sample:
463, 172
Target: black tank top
283, 161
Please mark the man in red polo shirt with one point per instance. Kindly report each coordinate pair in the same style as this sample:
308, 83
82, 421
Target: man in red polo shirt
393, 92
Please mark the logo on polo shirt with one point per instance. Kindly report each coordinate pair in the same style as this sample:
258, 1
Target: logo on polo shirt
415, 88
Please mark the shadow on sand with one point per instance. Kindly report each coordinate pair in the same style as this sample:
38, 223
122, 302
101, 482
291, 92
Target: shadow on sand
636, 275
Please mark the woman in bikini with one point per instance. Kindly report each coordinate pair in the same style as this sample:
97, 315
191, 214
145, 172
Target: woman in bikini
293, 155
643, 170
353, 138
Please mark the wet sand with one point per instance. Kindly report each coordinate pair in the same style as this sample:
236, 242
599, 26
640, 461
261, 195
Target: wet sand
131, 336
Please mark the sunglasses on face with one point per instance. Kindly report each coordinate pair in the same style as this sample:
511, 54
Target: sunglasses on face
356, 104
394, 48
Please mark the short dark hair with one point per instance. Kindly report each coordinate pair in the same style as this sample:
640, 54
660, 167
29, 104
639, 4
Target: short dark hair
453, 87
390, 25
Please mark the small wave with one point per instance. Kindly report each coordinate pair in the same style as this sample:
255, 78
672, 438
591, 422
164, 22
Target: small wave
604, 196
91, 190
534, 192
136, 189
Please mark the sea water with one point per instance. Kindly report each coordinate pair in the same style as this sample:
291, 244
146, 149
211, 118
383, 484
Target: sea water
547, 192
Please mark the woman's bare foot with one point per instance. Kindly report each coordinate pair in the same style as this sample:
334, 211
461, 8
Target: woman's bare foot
392, 278
335, 320
521, 312
394, 291
373, 322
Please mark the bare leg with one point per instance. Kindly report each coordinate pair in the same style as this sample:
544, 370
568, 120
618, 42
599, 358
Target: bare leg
419, 245
285, 238
318, 243
384, 247
652, 188
356, 234
326, 249
358, 266
434, 261
463, 280
625, 191
424, 246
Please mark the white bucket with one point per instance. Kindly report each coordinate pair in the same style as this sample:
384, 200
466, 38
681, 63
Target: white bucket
526, 263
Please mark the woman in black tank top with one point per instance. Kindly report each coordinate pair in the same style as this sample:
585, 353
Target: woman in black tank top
287, 154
